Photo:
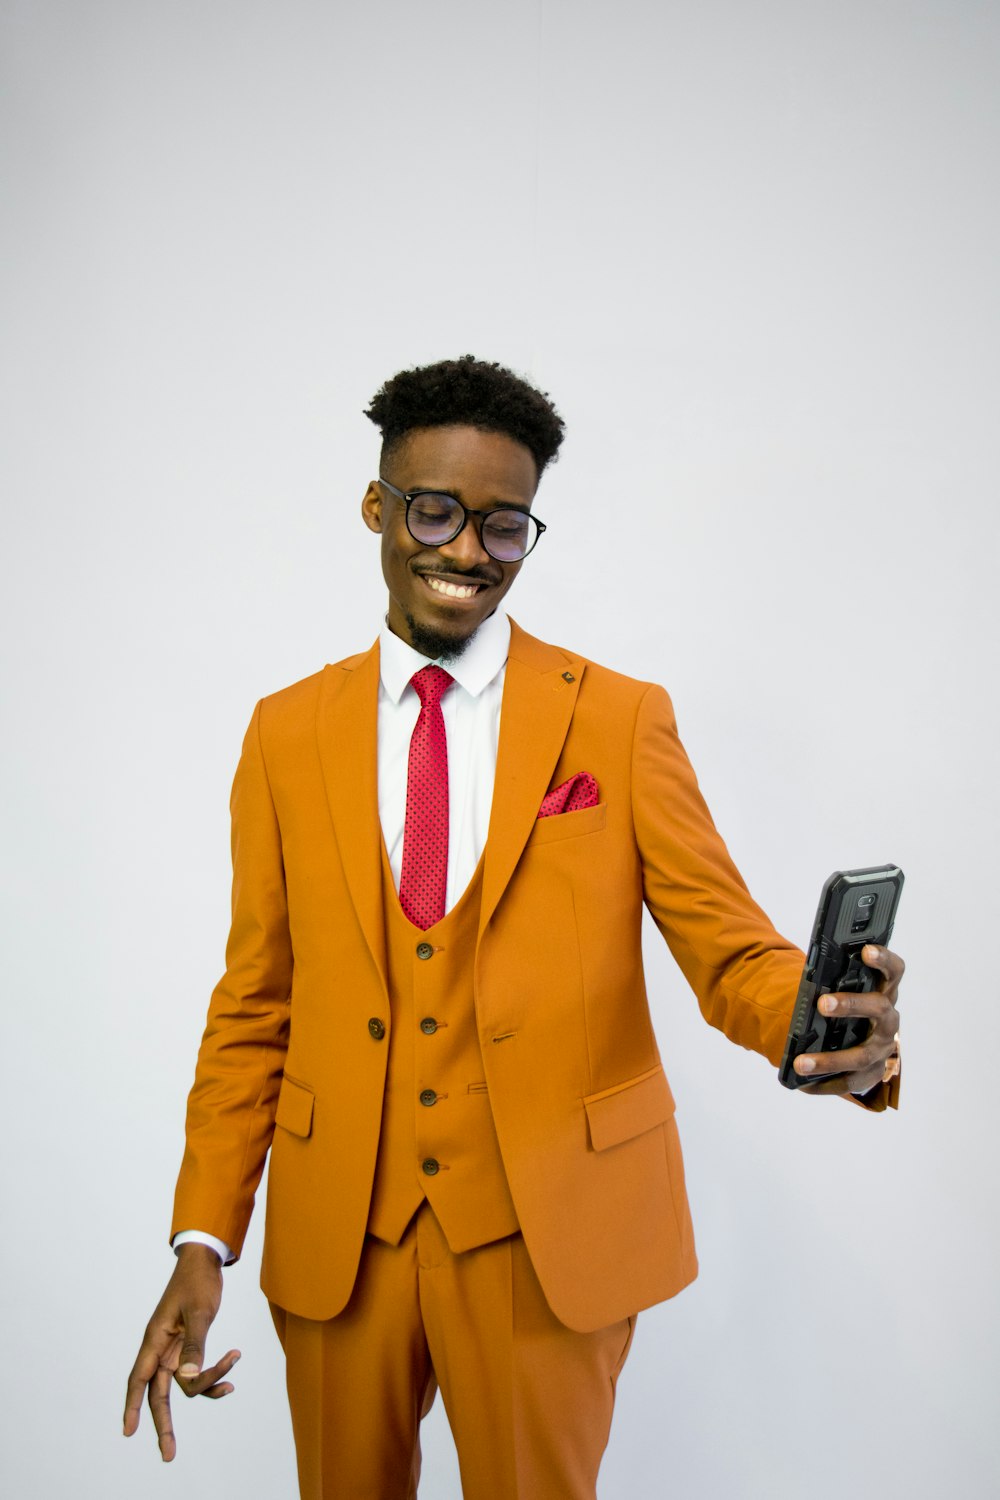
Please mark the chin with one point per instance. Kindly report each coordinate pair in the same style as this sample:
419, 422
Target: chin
435, 641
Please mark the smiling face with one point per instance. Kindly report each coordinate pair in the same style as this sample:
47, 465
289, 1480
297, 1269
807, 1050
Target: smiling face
439, 596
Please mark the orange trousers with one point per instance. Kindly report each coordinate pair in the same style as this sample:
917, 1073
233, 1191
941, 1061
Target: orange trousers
529, 1401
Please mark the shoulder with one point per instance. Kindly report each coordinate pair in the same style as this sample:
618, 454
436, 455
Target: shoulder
296, 705
595, 679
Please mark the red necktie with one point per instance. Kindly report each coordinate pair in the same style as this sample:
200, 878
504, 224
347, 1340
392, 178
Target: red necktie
424, 875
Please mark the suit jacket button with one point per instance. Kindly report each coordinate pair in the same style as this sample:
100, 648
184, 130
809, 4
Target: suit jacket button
428, 1026
376, 1028
424, 950
431, 1167
428, 1097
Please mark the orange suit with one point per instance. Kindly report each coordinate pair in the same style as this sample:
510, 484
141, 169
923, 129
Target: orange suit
581, 1105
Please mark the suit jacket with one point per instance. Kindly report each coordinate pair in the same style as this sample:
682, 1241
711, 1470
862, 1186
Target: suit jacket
582, 1107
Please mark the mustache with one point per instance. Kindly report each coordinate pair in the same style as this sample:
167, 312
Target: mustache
476, 575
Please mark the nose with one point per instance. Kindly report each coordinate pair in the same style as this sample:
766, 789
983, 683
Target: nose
466, 550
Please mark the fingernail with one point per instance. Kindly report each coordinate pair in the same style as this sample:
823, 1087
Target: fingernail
188, 1370
806, 1065
828, 1005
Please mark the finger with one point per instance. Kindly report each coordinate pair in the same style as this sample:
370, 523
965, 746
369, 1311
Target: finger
835, 1073
873, 1005
885, 961
159, 1405
135, 1391
869, 1057
147, 1362
201, 1384
844, 1083
214, 1393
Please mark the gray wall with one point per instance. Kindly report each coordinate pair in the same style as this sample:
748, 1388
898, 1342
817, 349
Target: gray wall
752, 251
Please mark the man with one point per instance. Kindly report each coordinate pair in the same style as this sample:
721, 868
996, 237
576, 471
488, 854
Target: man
433, 1010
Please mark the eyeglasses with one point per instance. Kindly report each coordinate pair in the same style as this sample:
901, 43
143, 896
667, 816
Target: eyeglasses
507, 534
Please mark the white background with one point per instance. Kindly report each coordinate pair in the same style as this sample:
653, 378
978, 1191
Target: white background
752, 252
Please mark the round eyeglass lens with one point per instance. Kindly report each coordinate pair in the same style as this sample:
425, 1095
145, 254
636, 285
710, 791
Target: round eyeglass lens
507, 535
434, 518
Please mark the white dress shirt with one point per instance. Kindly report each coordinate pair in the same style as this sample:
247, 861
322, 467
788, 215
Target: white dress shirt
471, 711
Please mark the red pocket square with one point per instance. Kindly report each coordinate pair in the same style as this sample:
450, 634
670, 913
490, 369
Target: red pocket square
579, 791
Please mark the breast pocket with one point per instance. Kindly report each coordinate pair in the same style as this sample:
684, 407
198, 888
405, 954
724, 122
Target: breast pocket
568, 825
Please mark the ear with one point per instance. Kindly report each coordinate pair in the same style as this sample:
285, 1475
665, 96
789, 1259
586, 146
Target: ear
371, 507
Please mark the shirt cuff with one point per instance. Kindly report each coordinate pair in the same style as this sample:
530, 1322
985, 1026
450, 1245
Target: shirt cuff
199, 1237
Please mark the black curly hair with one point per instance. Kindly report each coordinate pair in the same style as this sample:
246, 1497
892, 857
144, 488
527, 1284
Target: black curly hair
467, 392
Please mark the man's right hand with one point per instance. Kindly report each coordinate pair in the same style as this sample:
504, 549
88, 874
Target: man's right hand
174, 1345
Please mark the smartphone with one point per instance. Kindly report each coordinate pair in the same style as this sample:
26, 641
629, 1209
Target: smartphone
855, 907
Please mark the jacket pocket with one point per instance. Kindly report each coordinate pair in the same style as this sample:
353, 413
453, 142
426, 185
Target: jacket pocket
568, 825
630, 1108
295, 1107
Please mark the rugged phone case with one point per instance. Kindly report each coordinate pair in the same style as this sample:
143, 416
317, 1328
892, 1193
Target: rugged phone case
856, 907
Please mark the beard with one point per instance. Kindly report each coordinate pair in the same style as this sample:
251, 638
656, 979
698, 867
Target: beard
436, 644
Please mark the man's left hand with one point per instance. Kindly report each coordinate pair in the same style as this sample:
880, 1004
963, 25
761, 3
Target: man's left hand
855, 1070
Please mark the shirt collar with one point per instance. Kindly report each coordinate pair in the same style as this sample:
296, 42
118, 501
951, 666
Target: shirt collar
481, 661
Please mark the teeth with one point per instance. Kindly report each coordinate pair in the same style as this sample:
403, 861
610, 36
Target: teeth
453, 590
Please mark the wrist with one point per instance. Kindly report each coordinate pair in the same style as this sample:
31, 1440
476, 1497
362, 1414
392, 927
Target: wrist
193, 1252
202, 1237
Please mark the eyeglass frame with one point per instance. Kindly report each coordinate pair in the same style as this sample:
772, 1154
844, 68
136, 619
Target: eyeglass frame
481, 516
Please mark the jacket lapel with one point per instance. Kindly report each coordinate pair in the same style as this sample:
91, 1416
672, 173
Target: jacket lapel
539, 696
346, 726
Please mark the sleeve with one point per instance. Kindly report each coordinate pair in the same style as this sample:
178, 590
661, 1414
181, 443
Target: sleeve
231, 1107
744, 973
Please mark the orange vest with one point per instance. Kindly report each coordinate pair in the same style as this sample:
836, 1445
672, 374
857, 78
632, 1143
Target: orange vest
438, 1140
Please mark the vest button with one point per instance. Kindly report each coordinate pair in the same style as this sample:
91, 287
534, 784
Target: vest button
428, 1026
424, 950
376, 1028
428, 1097
431, 1167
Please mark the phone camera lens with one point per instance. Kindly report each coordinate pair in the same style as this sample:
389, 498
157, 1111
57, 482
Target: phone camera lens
867, 901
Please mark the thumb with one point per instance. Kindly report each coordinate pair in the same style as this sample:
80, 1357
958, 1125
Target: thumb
192, 1352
